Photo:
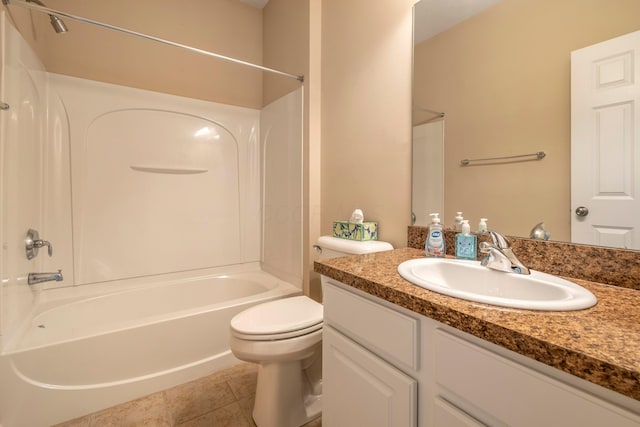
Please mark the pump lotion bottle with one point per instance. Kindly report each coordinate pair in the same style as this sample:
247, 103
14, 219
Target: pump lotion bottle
435, 244
466, 243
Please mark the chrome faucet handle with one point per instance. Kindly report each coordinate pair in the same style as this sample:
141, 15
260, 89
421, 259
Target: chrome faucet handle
499, 240
41, 243
33, 242
485, 247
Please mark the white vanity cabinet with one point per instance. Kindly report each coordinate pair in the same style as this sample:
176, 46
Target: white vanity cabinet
387, 366
363, 344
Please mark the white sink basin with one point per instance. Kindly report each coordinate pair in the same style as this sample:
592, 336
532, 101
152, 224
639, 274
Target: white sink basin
471, 281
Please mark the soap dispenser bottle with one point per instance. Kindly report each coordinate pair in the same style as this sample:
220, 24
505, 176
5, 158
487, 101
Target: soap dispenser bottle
458, 222
466, 243
482, 226
435, 244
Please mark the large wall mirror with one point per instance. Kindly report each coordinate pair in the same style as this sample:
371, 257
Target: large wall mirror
493, 80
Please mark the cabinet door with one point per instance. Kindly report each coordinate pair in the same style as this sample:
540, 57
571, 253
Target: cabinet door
515, 394
360, 389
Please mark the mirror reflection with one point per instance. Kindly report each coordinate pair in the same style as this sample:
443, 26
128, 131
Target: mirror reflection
494, 81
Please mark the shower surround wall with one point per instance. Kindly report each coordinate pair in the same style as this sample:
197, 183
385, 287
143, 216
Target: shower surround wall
158, 183
23, 88
193, 182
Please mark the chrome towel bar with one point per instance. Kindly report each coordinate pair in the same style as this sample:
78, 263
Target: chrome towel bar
539, 155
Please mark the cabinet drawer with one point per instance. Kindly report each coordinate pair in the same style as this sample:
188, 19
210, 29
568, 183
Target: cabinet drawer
383, 330
514, 394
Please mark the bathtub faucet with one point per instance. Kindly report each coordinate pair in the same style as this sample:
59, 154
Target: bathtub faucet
44, 277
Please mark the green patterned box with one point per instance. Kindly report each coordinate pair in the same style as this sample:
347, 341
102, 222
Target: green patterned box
355, 231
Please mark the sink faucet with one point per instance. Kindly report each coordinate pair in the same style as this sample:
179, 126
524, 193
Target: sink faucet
44, 277
500, 256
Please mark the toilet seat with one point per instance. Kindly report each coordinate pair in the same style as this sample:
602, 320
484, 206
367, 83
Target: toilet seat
280, 319
280, 336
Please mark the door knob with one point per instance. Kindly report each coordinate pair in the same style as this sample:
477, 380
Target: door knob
582, 211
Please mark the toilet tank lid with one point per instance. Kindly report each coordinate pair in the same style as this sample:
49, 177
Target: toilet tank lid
353, 246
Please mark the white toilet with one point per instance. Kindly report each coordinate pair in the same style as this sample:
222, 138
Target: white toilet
284, 337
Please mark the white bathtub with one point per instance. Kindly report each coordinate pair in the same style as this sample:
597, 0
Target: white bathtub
86, 349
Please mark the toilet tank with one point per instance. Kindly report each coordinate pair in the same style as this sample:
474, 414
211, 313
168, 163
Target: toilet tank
332, 247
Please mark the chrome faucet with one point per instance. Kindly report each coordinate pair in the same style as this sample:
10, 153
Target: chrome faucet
500, 256
44, 277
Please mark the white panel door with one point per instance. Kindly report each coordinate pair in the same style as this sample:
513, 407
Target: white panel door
360, 389
605, 143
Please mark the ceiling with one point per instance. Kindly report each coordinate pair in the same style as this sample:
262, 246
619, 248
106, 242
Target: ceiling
259, 4
435, 16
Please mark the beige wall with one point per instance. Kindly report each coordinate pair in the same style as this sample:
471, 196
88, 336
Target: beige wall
366, 113
227, 27
285, 45
503, 80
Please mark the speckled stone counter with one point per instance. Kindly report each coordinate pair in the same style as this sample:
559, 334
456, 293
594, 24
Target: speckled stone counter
600, 344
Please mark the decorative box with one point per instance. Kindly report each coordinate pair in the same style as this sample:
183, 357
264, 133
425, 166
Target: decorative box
355, 231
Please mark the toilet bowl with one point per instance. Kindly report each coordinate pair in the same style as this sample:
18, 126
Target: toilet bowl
284, 337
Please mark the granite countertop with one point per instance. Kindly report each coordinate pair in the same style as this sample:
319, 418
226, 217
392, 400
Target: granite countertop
600, 344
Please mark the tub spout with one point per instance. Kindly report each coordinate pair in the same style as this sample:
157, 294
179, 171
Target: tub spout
44, 277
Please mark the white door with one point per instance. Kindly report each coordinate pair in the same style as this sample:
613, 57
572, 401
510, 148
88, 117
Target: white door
605, 143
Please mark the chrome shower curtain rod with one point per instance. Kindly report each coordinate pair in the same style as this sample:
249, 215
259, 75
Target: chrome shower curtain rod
437, 114
50, 11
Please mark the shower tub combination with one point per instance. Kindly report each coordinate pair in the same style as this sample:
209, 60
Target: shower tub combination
166, 217
124, 324
135, 338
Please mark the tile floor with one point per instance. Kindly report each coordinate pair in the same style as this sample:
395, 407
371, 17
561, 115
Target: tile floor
221, 399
